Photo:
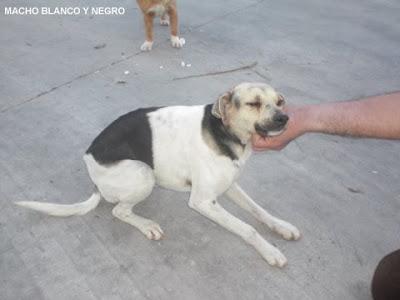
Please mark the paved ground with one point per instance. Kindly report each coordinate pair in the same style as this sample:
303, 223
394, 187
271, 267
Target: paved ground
58, 92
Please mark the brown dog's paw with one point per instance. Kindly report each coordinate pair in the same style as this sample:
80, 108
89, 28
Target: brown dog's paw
177, 42
146, 46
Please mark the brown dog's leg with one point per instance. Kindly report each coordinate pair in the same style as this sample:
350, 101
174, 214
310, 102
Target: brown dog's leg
148, 23
173, 19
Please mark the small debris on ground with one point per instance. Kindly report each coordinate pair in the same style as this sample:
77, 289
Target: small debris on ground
100, 46
183, 64
121, 82
126, 72
161, 67
245, 67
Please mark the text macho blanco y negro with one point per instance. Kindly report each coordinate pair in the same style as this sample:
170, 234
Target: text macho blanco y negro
68, 10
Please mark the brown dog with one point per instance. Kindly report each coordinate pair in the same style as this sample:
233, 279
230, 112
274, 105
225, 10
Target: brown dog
161, 8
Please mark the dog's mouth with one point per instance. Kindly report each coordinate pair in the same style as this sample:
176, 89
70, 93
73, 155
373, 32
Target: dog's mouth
268, 131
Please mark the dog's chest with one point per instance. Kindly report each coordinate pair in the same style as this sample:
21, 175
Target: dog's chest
221, 171
222, 174
158, 9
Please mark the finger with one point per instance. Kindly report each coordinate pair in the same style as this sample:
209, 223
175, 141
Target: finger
262, 144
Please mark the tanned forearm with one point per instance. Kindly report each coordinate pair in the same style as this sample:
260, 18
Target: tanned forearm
375, 117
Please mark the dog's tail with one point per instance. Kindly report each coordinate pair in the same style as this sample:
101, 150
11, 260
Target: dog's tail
64, 210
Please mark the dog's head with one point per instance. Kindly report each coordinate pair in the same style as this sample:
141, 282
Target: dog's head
251, 108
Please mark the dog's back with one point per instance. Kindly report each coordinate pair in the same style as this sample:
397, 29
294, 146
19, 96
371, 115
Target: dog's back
128, 137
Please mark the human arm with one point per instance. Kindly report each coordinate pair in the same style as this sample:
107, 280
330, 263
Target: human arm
373, 117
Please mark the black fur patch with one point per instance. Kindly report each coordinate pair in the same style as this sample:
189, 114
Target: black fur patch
128, 137
222, 138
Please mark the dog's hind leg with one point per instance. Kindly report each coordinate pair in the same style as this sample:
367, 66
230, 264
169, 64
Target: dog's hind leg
128, 183
287, 230
149, 228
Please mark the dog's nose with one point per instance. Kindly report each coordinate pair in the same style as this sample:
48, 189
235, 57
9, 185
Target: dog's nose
280, 119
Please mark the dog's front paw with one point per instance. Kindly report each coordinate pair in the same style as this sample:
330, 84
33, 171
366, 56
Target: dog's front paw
271, 254
146, 46
274, 257
285, 229
177, 42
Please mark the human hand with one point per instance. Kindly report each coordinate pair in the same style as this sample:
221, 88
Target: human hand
295, 128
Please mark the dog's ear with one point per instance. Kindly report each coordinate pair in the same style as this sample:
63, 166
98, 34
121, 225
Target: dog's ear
281, 100
219, 107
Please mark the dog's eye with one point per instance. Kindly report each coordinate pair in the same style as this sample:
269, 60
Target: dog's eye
254, 104
280, 102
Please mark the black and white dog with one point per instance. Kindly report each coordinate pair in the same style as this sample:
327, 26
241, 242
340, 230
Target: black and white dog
200, 149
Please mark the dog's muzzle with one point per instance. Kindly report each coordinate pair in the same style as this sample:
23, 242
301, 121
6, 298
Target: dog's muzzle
276, 127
